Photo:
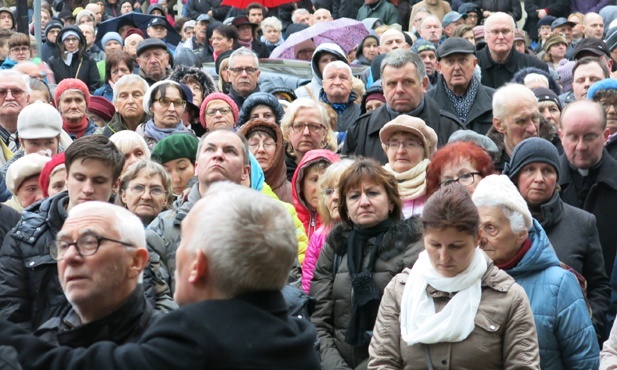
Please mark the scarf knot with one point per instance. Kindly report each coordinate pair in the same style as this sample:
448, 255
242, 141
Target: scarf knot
411, 183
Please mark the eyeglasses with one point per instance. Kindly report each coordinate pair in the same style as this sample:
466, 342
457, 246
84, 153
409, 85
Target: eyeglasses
265, 144
22, 49
299, 127
328, 192
154, 191
16, 93
223, 111
407, 144
239, 70
504, 32
166, 102
86, 245
465, 179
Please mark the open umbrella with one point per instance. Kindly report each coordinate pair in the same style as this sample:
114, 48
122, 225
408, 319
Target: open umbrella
140, 21
345, 32
242, 4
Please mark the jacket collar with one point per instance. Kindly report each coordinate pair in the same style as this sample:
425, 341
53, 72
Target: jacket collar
551, 211
606, 172
510, 63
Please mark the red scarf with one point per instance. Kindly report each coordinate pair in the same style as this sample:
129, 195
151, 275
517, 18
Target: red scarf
517, 257
79, 129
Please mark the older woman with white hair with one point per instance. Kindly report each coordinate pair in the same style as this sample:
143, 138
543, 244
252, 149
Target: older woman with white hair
22, 180
132, 145
272, 29
409, 144
305, 126
519, 246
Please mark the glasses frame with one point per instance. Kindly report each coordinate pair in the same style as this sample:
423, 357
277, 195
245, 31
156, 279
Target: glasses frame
54, 252
239, 70
212, 111
134, 192
310, 126
165, 105
463, 177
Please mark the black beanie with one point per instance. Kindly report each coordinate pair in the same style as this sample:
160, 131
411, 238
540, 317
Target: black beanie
531, 150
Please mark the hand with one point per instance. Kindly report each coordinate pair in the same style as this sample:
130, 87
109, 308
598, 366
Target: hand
541, 13
210, 13
137, 5
486, 14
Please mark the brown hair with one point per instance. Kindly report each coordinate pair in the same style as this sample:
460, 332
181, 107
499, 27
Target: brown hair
451, 206
19, 39
461, 29
114, 59
369, 171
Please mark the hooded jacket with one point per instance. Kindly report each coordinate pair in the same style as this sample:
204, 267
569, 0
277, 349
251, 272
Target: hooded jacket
310, 219
360, 58
81, 67
312, 89
260, 98
566, 336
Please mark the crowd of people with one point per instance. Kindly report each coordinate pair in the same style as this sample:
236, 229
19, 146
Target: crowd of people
437, 195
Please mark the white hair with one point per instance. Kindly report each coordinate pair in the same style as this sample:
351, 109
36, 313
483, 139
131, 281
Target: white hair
126, 80
248, 237
242, 51
294, 15
25, 78
337, 64
271, 22
510, 93
126, 140
491, 18
517, 221
535, 78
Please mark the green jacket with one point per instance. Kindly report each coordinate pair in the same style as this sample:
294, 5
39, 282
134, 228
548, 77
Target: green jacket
383, 10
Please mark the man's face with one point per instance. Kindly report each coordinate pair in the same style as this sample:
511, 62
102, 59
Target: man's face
594, 26
124, 29
431, 29
126, 8
521, 121
221, 158
185, 257
392, 40
30, 146
609, 103
457, 70
89, 179
88, 34
11, 104
256, 16
72, 105
6, 20
499, 35
157, 32
303, 19
130, 45
430, 61
566, 31
112, 46
200, 31
585, 76
52, 35
402, 88
337, 84
544, 32
450, 28
154, 63
86, 20
472, 19
106, 275
129, 102
243, 82
321, 15
582, 136
245, 32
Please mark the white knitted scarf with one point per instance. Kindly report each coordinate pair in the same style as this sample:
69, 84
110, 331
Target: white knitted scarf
411, 183
419, 321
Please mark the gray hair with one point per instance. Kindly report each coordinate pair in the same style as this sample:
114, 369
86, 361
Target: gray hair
294, 15
242, 51
535, 77
25, 78
430, 16
399, 57
249, 239
491, 18
126, 80
273, 22
337, 64
517, 221
508, 94
148, 168
245, 144
126, 140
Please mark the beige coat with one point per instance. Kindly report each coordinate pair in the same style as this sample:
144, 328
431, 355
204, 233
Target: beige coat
504, 337
608, 355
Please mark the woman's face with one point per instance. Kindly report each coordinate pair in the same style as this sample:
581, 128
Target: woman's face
198, 94
29, 192
136, 153
263, 112
460, 168
550, 111
57, 183
449, 250
20, 53
218, 115
139, 198
301, 137
310, 187
220, 43
44, 20
557, 51
263, 148
404, 151
369, 49
223, 70
331, 202
368, 204
373, 104
112, 46
272, 35
180, 170
71, 44
497, 239
537, 182
167, 115
119, 70
469, 37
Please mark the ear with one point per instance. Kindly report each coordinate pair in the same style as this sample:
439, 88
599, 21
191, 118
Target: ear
138, 262
116, 186
606, 134
200, 269
498, 124
258, 72
522, 236
167, 57
439, 67
246, 172
122, 194
379, 49
560, 134
425, 84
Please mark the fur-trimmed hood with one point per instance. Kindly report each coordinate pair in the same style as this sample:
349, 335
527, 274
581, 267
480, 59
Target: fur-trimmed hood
205, 80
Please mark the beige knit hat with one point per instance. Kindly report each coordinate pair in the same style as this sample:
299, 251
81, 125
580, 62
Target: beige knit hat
413, 125
24, 167
553, 40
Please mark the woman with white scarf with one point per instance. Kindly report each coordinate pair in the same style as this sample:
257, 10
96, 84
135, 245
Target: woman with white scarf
409, 143
454, 309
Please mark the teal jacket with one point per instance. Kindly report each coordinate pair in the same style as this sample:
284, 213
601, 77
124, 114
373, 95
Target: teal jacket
383, 10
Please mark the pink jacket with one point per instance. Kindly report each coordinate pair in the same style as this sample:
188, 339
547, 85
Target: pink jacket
318, 239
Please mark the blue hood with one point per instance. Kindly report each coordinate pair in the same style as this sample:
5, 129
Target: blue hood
257, 174
539, 257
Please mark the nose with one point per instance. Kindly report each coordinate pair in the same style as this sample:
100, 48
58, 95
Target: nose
364, 200
88, 188
217, 113
443, 254
306, 131
39, 196
175, 178
146, 194
531, 127
71, 254
537, 176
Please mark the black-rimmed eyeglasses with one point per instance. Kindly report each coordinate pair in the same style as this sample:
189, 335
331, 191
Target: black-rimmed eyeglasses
86, 245
464, 179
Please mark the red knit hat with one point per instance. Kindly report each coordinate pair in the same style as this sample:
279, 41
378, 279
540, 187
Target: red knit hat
55, 161
133, 31
102, 108
71, 84
217, 96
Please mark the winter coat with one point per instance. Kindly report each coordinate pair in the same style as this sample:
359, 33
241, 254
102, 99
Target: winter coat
310, 219
363, 137
504, 336
316, 243
260, 49
312, 89
198, 7
30, 292
383, 10
8, 219
611, 147
480, 116
105, 91
556, 8
608, 355
112, 10
49, 50
249, 331
82, 66
399, 248
124, 325
574, 237
586, 6
239, 100
565, 333
348, 116
511, 7
346, 8
496, 75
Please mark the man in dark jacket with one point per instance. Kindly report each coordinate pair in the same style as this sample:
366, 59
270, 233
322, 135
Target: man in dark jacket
49, 47
30, 292
153, 60
337, 93
243, 72
246, 36
457, 91
100, 277
129, 92
233, 315
539, 9
403, 77
212, 8
499, 60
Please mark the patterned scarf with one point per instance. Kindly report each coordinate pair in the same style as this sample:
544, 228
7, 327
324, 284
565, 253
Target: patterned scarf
269, 44
339, 108
463, 104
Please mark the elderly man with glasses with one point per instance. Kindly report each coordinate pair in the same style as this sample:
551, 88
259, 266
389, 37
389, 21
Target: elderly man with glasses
243, 72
